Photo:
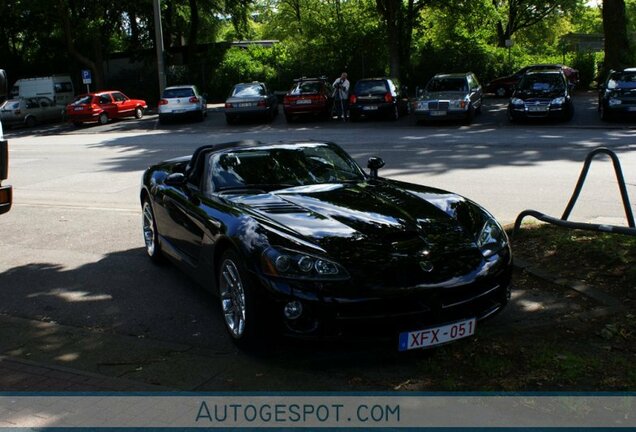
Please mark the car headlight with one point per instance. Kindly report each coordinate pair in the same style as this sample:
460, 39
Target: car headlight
286, 263
492, 238
558, 101
614, 101
516, 101
460, 103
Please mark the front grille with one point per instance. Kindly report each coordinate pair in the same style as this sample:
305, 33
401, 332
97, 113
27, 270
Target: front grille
438, 105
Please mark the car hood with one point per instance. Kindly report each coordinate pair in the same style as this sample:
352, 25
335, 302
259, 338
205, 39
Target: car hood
443, 95
377, 216
529, 94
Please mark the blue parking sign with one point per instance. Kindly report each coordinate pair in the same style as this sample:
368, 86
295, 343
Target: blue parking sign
86, 76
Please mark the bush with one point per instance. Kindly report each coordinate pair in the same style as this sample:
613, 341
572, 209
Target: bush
586, 65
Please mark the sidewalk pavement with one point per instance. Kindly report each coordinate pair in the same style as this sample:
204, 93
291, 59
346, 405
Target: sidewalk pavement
18, 375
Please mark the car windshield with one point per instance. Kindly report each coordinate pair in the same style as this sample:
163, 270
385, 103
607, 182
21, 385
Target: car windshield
270, 168
11, 105
301, 87
622, 80
446, 85
371, 87
177, 93
248, 90
83, 100
546, 82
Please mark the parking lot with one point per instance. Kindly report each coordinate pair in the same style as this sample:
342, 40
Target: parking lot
78, 291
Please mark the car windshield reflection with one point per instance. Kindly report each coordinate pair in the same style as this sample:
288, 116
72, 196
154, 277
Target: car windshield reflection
272, 168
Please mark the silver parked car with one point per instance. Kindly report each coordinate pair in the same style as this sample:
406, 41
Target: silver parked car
249, 100
449, 96
30, 111
182, 101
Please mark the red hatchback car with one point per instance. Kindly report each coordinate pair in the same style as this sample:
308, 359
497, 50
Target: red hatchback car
103, 106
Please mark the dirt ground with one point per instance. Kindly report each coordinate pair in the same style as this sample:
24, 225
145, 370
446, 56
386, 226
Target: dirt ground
582, 287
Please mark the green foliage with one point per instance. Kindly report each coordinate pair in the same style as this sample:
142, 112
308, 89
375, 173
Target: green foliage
255, 63
586, 65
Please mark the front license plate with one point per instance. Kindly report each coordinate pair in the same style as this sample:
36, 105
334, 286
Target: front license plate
370, 107
438, 113
537, 109
303, 102
436, 335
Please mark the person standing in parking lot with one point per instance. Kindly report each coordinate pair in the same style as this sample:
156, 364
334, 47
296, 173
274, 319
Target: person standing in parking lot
341, 96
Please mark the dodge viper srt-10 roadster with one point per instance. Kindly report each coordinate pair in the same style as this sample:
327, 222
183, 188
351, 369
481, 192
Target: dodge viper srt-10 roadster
295, 238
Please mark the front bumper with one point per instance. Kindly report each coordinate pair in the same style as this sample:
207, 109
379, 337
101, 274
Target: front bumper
334, 309
520, 112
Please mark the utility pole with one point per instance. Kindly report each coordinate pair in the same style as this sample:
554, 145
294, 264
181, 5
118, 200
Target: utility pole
156, 6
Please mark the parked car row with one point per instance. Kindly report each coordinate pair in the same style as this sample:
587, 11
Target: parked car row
536, 91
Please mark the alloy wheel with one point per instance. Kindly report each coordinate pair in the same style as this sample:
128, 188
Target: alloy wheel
232, 293
149, 229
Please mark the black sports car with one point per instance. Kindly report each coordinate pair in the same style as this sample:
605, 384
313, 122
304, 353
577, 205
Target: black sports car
298, 235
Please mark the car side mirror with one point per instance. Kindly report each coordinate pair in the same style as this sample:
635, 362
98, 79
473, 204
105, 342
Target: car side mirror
175, 179
374, 164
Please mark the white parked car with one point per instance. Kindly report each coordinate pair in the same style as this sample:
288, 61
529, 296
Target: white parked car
182, 101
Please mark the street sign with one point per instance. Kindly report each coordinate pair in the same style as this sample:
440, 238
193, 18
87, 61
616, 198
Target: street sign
86, 76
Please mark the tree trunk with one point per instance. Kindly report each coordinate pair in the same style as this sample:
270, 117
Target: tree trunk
617, 50
90, 64
194, 31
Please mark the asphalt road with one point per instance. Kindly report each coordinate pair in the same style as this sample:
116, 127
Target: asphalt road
71, 247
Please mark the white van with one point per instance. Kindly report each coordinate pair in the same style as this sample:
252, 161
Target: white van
58, 88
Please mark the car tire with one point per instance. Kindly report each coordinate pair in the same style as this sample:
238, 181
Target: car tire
103, 118
30, 121
501, 92
470, 115
605, 116
354, 117
230, 119
150, 233
289, 118
200, 116
395, 115
239, 303
139, 113
78, 124
569, 114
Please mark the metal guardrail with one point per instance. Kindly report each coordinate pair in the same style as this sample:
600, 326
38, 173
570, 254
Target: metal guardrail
563, 222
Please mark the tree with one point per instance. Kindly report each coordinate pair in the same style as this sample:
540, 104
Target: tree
399, 19
515, 15
617, 49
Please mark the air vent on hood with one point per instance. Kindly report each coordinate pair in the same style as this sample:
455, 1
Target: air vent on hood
279, 207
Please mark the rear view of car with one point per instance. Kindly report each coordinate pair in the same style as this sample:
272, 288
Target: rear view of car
617, 95
448, 97
250, 100
308, 97
377, 97
182, 101
541, 94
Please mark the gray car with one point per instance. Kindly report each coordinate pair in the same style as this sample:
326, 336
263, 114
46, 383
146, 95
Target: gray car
30, 111
182, 101
250, 100
449, 96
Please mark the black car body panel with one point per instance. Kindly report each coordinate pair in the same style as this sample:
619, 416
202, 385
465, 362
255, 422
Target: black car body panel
408, 255
541, 94
617, 95
378, 97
